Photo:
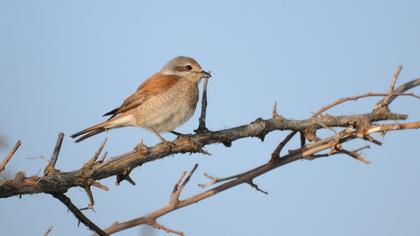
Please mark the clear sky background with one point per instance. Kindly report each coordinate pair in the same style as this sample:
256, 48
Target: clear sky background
65, 63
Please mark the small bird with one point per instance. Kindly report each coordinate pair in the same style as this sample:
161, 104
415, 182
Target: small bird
161, 103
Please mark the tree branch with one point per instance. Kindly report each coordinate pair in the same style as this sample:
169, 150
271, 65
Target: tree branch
10, 155
118, 165
50, 168
202, 120
78, 214
151, 218
248, 176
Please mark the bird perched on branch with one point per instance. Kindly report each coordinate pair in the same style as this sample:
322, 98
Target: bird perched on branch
161, 103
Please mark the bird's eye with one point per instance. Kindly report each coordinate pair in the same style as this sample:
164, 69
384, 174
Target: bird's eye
188, 67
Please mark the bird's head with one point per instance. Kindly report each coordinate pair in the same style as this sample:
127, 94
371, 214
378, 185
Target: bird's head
185, 67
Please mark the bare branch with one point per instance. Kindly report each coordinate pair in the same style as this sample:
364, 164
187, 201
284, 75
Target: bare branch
179, 186
103, 157
215, 180
372, 140
175, 191
90, 197
354, 98
393, 127
355, 127
78, 214
386, 100
276, 115
57, 148
60, 182
92, 161
50, 168
402, 88
356, 156
10, 155
100, 186
202, 120
48, 231
361, 131
276, 153
150, 219
252, 184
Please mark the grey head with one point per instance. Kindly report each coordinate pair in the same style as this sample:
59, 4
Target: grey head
185, 67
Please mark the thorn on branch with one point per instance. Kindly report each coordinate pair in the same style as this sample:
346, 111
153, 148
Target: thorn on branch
48, 231
91, 200
103, 157
302, 139
10, 155
362, 148
227, 143
369, 138
89, 164
20, 176
50, 168
356, 156
57, 149
276, 153
100, 186
252, 184
263, 133
276, 115
141, 148
125, 175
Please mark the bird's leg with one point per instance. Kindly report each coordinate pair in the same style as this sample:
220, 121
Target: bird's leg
170, 145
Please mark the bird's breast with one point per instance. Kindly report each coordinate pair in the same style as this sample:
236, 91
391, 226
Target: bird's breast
168, 110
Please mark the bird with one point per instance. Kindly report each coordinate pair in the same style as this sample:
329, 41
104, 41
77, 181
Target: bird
161, 103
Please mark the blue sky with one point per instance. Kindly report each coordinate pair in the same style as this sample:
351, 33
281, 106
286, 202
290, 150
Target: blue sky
65, 63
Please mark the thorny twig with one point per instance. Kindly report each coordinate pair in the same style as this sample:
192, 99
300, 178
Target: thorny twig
48, 231
10, 155
202, 120
50, 168
78, 214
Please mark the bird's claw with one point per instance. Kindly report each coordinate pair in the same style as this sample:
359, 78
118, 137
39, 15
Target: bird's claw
197, 147
170, 145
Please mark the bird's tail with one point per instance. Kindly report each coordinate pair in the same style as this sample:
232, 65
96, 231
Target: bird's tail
89, 132
114, 122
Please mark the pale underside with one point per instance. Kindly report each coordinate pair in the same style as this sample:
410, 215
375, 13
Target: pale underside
164, 112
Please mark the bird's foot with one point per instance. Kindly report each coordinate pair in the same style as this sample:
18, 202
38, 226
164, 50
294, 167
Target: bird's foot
170, 145
197, 147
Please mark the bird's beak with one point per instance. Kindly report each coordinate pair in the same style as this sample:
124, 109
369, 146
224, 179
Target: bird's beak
205, 74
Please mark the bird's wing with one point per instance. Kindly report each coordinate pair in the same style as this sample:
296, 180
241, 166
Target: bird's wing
153, 86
